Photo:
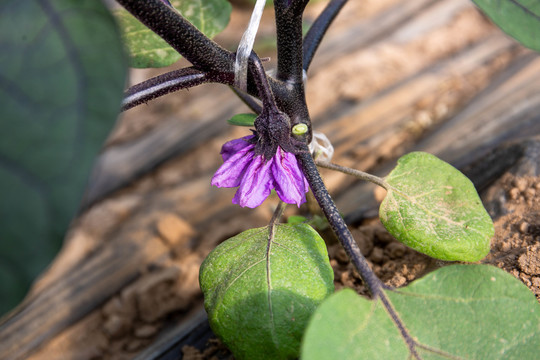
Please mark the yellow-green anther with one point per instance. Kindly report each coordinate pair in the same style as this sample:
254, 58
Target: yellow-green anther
299, 129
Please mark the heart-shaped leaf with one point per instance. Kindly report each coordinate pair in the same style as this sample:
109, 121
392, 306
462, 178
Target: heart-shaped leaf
61, 83
147, 49
457, 312
261, 286
519, 19
433, 208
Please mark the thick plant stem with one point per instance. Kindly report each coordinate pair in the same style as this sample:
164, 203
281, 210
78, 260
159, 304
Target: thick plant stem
337, 223
218, 64
289, 40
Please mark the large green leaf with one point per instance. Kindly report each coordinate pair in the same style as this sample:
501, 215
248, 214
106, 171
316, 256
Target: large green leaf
518, 18
61, 78
260, 289
457, 312
146, 49
433, 208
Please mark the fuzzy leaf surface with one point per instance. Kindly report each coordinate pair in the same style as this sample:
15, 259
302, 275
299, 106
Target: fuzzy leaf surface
147, 49
61, 83
433, 208
518, 18
259, 295
456, 312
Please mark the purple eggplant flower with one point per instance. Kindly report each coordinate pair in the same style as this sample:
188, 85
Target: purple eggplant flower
256, 176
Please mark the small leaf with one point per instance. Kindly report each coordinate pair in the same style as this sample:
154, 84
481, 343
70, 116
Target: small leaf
259, 295
242, 120
296, 219
519, 19
433, 208
147, 49
62, 77
457, 312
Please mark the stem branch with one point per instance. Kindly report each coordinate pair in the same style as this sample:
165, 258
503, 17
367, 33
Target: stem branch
162, 85
261, 82
278, 213
356, 173
337, 223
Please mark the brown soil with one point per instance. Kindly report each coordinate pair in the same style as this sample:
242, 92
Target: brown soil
516, 245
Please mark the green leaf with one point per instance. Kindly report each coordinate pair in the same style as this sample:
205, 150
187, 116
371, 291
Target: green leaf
519, 19
457, 312
61, 83
259, 294
296, 219
433, 208
147, 49
209, 16
242, 120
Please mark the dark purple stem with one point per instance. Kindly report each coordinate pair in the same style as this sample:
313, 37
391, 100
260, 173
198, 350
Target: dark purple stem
288, 15
261, 82
337, 223
168, 83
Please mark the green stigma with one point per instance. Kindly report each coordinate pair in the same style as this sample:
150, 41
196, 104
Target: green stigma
299, 129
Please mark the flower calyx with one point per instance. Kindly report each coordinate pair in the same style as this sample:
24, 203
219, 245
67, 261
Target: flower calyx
273, 129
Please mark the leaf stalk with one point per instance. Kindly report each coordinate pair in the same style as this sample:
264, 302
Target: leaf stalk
356, 173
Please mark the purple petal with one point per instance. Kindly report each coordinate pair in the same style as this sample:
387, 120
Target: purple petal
232, 171
232, 147
256, 183
289, 181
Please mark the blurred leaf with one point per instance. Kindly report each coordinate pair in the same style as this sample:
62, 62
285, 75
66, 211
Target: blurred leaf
259, 294
147, 49
519, 19
242, 120
320, 223
61, 83
457, 312
433, 208
296, 219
